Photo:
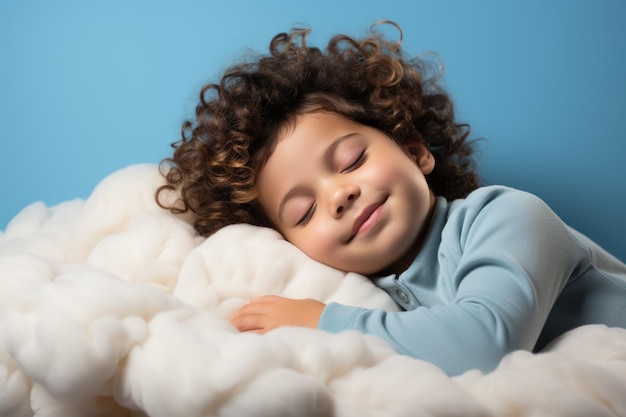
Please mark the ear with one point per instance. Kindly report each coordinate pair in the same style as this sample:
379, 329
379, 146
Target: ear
422, 156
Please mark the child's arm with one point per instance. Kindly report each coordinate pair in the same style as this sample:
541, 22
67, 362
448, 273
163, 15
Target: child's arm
265, 313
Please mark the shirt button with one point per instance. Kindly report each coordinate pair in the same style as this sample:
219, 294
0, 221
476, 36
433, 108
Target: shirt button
403, 297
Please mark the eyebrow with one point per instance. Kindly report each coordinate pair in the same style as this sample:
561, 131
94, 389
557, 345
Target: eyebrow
328, 154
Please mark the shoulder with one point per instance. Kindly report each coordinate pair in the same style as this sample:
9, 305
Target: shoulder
499, 202
499, 195
502, 211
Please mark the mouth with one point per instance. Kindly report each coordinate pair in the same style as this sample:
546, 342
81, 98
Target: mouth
368, 217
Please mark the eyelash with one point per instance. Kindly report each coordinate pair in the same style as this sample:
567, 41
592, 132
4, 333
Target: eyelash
354, 165
357, 163
307, 216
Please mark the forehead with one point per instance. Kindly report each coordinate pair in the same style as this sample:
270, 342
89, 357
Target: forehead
308, 138
315, 128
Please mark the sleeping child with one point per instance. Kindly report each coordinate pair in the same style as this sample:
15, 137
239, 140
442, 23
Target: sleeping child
354, 155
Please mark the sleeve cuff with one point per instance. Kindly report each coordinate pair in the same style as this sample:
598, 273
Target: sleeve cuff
337, 317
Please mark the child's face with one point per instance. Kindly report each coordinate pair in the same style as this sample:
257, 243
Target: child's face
347, 195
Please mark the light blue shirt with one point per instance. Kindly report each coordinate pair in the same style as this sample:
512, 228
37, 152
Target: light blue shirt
498, 271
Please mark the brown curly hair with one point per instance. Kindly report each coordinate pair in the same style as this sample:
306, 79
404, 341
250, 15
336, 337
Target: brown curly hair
367, 80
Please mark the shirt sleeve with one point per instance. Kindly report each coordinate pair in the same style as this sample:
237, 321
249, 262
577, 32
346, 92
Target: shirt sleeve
515, 257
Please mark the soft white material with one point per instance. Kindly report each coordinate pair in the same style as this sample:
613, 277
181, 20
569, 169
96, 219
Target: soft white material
114, 307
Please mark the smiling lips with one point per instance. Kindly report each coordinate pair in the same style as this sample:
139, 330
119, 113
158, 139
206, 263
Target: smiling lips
368, 217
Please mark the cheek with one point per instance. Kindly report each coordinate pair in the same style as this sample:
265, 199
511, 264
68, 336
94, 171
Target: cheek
389, 171
317, 242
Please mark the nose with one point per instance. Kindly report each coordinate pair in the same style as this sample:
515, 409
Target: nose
343, 197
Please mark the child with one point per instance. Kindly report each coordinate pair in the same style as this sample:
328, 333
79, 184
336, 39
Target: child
354, 156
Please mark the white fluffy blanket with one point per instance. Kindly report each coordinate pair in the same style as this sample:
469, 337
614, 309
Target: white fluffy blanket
114, 307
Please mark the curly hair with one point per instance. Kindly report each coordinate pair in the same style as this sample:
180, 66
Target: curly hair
238, 120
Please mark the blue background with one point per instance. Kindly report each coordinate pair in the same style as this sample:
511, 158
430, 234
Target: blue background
87, 88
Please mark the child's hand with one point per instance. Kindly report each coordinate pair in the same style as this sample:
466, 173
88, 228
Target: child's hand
265, 313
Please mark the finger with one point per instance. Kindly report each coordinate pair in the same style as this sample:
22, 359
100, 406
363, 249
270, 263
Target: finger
258, 308
248, 322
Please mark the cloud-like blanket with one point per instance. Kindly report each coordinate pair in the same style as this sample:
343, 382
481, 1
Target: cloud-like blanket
114, 307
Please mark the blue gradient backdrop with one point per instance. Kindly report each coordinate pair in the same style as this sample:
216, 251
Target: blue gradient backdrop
87, 88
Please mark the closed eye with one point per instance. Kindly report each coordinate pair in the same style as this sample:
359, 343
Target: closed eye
358, 161
307, 216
